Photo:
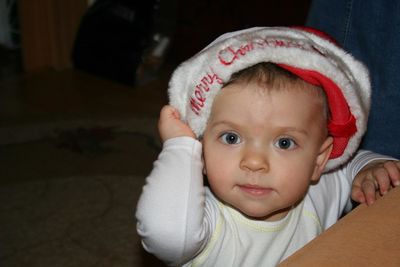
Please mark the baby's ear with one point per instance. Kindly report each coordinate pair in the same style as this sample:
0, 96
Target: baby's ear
322, 158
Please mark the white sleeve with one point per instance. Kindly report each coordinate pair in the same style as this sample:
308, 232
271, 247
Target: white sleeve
362, 158
170, 211
331, 195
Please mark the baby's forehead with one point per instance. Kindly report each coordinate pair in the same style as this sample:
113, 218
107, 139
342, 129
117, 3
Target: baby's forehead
240, 97
250, 92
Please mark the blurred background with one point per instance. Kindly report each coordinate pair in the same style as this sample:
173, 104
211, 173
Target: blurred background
81, 85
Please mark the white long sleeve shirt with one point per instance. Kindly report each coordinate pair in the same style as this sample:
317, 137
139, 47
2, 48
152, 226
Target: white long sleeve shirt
182, 223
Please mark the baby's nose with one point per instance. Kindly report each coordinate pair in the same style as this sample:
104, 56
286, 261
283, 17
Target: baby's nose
254, 160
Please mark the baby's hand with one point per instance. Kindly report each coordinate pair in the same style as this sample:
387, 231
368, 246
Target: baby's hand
170, 125
375, 180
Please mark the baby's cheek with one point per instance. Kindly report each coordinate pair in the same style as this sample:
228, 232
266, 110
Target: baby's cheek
219, 176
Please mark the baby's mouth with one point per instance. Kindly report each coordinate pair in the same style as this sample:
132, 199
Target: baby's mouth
255, 190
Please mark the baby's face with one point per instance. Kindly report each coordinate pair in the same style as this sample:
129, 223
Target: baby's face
262, 148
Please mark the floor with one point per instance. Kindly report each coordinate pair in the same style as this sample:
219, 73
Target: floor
74, 152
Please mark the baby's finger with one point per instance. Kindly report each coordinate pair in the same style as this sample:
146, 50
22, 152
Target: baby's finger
381, 176
357, 194
368, 187
168, 112
393, 170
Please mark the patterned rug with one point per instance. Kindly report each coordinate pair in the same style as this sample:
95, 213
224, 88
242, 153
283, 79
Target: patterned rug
68, 192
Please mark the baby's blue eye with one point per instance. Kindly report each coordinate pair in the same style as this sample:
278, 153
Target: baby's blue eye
230, 138
285, 143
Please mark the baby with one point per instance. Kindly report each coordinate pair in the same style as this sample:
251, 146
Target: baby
259, 150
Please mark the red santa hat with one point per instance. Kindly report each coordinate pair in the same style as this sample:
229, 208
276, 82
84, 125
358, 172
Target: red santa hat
307, 53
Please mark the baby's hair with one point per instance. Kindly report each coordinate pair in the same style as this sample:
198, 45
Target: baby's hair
264, 73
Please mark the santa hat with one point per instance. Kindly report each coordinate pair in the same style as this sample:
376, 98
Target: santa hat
306, 52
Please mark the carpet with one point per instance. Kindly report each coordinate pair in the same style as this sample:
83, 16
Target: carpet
68, 192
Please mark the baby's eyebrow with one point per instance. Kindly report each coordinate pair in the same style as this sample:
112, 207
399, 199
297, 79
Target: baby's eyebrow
218, 123
294, 129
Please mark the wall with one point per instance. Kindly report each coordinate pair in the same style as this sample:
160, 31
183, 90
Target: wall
48, 29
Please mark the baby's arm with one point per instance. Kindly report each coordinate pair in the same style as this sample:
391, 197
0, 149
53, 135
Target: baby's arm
375, 179
170, 211
331, 195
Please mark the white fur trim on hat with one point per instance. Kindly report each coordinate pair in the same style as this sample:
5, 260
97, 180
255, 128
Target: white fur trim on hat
196, 81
